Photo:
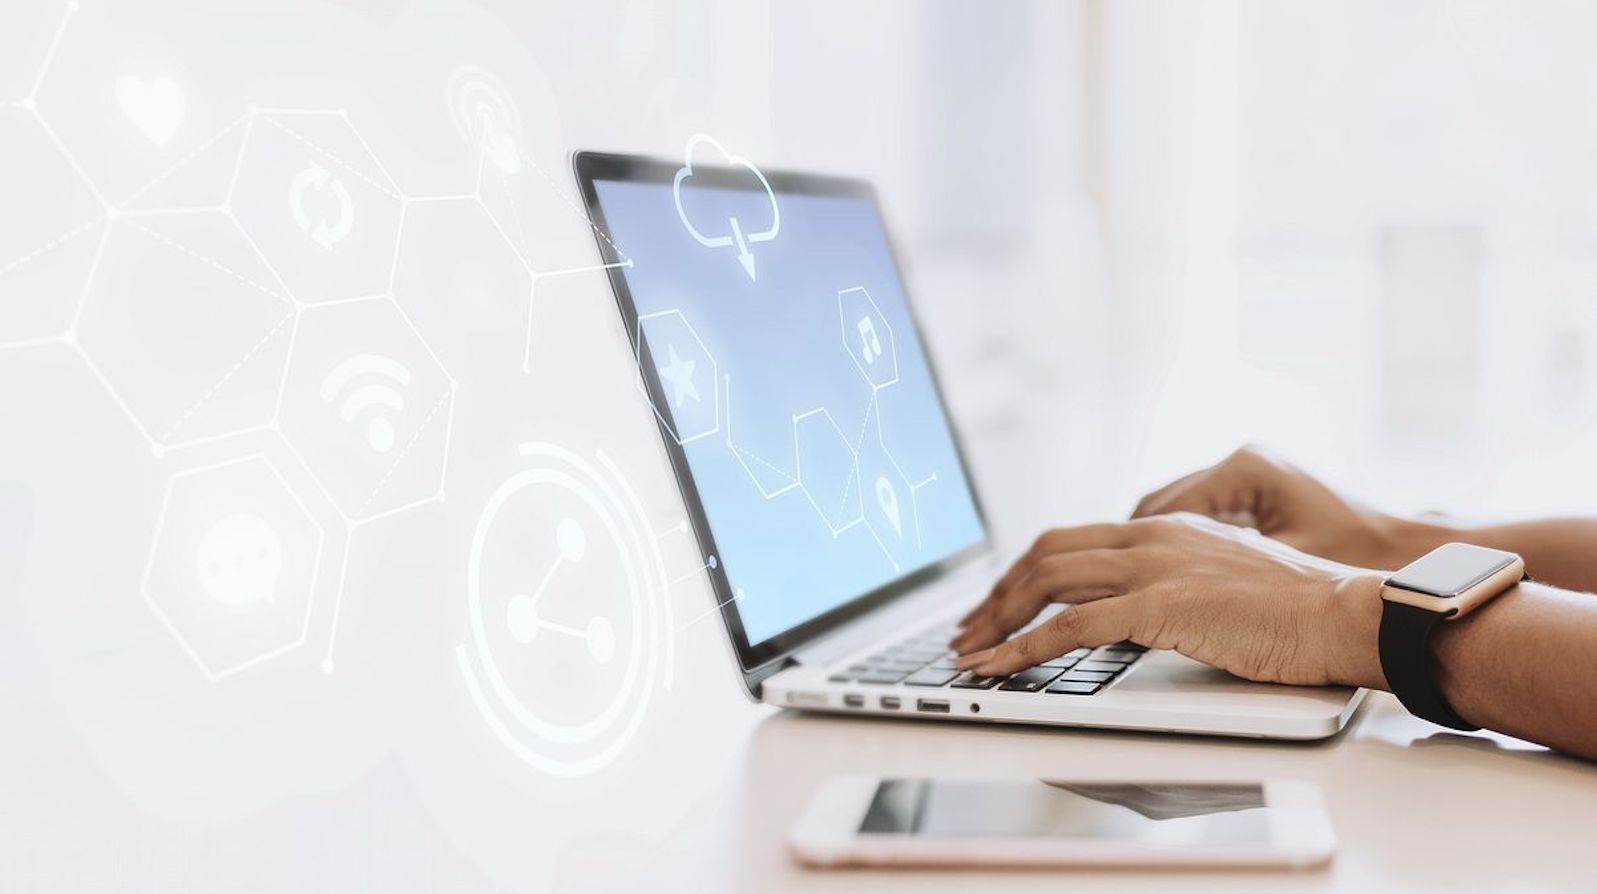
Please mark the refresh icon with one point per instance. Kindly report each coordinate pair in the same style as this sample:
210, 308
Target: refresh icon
327, 233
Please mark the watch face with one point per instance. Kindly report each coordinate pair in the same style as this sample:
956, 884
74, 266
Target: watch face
1451, 569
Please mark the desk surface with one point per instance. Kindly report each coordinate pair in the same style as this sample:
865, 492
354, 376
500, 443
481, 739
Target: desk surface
1415, 808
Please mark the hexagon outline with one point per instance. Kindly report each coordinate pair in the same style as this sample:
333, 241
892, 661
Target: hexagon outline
892, 341
391, 190
163, 443
798, 466
172, 627
449, 397
715, 376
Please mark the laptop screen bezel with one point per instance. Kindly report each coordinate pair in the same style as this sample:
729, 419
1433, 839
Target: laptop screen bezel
758, 660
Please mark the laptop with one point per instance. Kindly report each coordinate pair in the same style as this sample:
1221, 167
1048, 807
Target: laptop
821, 472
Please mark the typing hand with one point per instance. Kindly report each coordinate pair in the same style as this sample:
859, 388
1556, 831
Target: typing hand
1224, 595
1254, 489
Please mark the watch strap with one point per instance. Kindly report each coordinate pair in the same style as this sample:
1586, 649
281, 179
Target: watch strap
1405, 648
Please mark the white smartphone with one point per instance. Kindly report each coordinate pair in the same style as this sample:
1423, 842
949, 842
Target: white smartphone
1023, 822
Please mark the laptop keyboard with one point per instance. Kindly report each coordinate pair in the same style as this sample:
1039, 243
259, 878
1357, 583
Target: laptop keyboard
924, 660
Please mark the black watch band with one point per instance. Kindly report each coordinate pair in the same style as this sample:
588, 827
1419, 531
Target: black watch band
1405, 646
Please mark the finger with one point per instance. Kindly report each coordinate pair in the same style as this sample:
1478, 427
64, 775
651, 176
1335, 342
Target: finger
1057, 540
1199, 494
1064, 577
1098, 623
1149, 504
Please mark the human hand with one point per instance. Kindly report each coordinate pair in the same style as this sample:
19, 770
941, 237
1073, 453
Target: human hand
1255, 489
1224, 595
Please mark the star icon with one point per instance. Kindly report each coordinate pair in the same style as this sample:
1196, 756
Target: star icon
679, 374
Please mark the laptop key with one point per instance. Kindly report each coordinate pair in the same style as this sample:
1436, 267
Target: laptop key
1075, 687
1108, 667
840, 678
1029, 680
1062, 662
931, 677
918, 658
969, 680
1082, 676
881, 677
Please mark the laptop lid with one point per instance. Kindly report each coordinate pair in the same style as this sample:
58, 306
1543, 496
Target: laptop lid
821, 473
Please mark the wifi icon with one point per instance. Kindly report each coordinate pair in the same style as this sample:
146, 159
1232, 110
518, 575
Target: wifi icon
368, 387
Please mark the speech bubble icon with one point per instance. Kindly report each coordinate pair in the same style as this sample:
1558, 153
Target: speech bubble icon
887, 496
238, 559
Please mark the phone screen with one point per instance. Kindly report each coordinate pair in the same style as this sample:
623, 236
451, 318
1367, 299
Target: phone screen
1151, 813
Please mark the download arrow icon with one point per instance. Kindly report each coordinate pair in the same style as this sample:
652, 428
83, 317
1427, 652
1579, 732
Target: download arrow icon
745, 257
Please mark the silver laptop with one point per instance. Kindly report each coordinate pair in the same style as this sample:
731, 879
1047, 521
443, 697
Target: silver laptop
822, 475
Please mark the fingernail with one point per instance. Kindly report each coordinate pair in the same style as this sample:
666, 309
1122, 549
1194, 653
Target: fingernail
966, 662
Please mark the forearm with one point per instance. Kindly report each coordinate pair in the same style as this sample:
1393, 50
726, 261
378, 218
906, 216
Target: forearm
1560, 552
1525, 664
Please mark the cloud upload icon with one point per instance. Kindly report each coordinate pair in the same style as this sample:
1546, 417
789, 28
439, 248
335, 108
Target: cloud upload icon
735, 234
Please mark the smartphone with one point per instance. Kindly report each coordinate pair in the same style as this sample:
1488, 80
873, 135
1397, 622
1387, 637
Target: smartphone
1025, 822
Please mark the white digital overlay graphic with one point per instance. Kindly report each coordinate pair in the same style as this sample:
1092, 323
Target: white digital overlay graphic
688, 375
736, 232
565, 588
868, 337
234, 565
307, 218
485, 116
849, 480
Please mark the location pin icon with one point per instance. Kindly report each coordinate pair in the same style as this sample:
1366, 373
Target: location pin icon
888, 498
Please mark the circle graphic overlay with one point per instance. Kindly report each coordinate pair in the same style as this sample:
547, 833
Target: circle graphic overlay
568, 613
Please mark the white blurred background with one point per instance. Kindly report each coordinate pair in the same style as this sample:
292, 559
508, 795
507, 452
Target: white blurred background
1139, 234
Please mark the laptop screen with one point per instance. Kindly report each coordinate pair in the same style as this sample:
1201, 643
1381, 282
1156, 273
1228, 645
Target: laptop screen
792, 375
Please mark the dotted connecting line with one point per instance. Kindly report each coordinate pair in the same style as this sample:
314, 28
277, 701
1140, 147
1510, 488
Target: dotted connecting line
336, 160
184, 162
232, 371
212, 263
53, 244
848, 485
404, 451
763, 461
572, 204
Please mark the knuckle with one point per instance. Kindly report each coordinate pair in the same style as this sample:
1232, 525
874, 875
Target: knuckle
1019, 650
1155, 527
1050, 566
1065, 625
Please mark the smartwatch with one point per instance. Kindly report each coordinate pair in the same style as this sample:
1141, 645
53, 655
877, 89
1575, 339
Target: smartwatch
1445, 584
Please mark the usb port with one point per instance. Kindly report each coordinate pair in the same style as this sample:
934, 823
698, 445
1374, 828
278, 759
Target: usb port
891, 702
931, 705
854, 701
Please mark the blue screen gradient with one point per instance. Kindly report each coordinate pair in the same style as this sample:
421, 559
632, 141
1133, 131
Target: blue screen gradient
818, 487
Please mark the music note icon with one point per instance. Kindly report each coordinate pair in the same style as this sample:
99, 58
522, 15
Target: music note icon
870, 344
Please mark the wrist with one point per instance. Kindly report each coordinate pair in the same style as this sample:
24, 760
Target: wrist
1405, 539
1356, 629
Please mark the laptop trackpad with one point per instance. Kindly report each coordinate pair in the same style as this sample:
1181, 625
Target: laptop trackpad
1163, 671
1197, 686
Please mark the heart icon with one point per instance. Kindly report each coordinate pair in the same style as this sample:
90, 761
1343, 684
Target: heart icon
154, 105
